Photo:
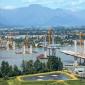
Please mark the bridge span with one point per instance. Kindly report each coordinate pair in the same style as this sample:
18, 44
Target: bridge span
78, 55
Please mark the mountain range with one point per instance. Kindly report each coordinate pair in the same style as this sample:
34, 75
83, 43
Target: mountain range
37, 15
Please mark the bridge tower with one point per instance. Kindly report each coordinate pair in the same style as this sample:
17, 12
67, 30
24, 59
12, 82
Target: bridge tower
45, 47
27, 45
50, 36
10, 43
51, 45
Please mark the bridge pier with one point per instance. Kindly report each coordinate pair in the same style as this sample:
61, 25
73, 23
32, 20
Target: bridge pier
75, 46
75, 58
75, 61
84, 61
80, 61
49, 51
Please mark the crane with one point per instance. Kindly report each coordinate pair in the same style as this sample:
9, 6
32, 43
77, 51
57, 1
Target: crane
80, 37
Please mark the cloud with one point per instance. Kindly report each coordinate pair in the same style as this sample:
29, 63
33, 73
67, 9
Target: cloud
9, 7
65, 4
68, 4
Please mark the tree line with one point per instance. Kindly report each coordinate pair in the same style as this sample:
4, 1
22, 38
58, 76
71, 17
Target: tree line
29, 67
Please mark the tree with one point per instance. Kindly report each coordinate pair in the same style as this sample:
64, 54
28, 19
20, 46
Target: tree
59, 40
23, 66
37, 66
44, 68
5, 69
60, 64
54, 63
10, 71
16, 71
29, 66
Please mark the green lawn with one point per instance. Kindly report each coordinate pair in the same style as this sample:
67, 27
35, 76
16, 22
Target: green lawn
68, 82
18, 81
3, 82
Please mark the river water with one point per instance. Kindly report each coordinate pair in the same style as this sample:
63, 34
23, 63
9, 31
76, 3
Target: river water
16, 59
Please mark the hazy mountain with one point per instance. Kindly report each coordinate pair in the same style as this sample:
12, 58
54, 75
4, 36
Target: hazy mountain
37, 15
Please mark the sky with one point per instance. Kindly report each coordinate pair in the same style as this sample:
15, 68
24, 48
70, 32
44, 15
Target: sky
64, 4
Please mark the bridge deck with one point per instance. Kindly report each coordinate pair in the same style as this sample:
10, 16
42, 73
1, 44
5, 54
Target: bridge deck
79, 55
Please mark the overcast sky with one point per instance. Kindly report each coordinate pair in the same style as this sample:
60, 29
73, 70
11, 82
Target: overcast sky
65, 4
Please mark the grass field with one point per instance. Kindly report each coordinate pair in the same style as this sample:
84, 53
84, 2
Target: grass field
16, 81
68, 82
